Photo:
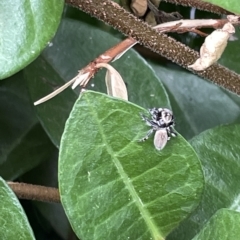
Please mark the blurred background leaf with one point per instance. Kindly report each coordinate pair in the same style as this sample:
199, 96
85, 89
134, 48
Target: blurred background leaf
223, 225
23, 142
218, 150
13, 220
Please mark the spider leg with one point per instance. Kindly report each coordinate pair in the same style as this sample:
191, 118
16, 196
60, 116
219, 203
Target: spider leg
147, 136
148, 122
171, 132
168, 133
152, 110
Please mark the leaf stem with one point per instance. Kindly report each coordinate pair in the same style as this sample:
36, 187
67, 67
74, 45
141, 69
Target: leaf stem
35, 192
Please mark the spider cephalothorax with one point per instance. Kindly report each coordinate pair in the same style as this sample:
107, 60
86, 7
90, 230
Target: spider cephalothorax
162, 122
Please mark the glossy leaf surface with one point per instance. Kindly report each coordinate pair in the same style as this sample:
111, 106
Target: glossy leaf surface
218, 150
114, 187
26, 28
42, 79
13, 221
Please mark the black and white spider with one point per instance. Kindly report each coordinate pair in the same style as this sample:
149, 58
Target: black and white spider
162, 122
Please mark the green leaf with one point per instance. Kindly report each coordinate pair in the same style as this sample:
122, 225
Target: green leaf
21, 136
26, 28
75, 45
13, 221
218, 150
114, 187
224, 225
230, 5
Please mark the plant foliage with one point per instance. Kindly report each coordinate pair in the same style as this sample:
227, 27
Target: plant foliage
111, 185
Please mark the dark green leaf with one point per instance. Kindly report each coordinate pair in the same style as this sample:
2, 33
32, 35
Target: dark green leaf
13, 221
22, 139
26, 28
229, 57
218, 150
224, 225
76, 44
114, 187
29, 150
52, 213
42, 79
230, 5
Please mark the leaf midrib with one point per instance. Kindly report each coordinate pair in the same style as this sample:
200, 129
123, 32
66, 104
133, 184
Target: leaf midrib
143, 212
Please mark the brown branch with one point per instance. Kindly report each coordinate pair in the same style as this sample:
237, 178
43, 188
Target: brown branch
35, 192
201, 5
114, 15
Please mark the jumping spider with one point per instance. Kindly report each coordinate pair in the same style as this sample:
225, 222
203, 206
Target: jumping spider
162, 122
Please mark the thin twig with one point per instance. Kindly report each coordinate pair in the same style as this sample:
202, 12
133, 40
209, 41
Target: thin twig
186, 24
35, 192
